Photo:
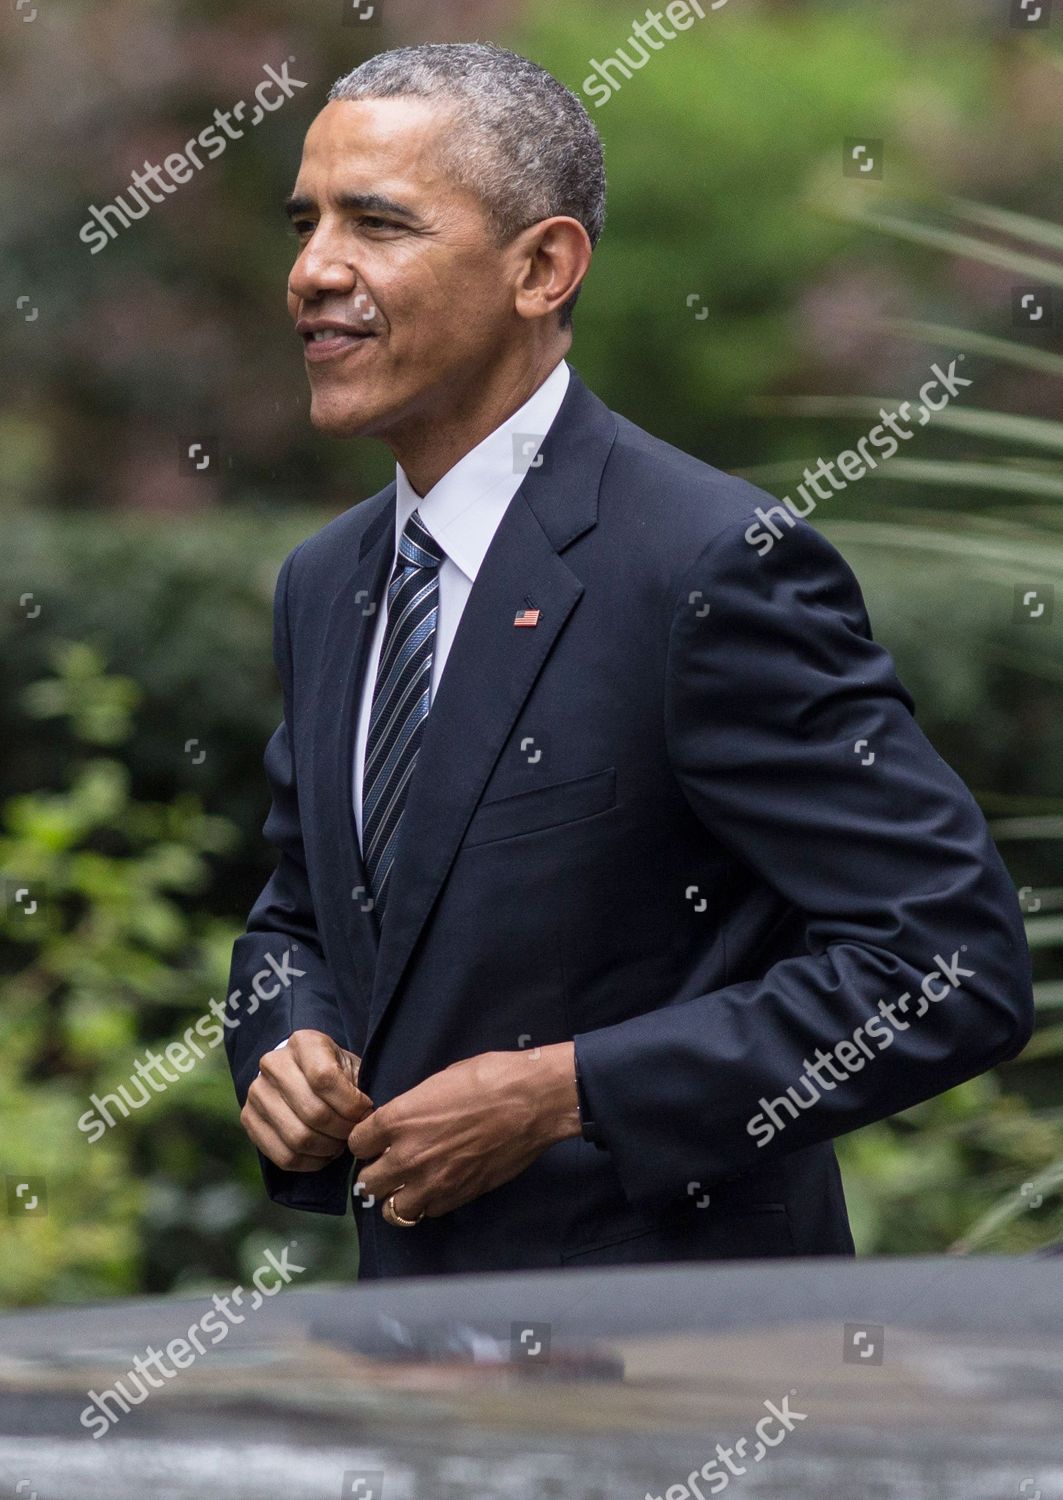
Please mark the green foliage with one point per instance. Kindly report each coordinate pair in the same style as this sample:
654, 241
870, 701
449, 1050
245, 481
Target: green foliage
185, 611
111, 954
939, 1175
714, 150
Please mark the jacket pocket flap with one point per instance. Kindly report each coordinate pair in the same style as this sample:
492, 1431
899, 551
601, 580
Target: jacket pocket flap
543, 807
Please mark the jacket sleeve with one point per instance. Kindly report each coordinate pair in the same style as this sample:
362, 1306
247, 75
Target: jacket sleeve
279, 981
796, 747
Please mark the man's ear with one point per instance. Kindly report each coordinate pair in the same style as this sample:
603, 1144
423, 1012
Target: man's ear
553, 257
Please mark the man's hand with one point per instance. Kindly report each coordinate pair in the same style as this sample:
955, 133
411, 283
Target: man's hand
468, 1129
301, 1107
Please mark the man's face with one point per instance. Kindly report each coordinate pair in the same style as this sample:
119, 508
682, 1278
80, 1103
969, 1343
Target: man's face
397, 253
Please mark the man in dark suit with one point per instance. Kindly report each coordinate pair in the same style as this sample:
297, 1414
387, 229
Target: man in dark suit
585, 947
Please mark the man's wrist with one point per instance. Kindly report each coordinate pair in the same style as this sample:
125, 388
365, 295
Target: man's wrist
556, 1091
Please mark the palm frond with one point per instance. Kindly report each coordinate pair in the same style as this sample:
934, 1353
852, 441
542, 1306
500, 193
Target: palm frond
1030, 268
970, 341
1018, 1202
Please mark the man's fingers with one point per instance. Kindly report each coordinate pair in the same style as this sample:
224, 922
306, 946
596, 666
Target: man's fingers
382, 1176
262, 1134
287, 1078
369, 1138
330, 1071
406, 1205
267, 1103
382, 1180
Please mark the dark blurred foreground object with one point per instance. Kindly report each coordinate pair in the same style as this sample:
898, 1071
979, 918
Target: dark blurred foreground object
876, 1379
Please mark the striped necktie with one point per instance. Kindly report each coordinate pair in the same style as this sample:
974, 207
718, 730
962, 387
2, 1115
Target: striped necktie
400, 700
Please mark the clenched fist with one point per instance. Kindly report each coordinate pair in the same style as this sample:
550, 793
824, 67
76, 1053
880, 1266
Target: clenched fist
305, 1102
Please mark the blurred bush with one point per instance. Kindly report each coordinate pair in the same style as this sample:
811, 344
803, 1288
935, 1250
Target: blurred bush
185, 610
143, 1177
713, 279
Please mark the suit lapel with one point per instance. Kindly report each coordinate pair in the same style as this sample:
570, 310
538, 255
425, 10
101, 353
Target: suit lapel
344, 657
490, 671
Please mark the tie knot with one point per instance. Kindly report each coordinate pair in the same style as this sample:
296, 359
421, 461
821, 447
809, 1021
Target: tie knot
417, 545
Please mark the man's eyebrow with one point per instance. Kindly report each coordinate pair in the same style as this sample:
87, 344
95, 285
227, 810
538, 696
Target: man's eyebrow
298, 204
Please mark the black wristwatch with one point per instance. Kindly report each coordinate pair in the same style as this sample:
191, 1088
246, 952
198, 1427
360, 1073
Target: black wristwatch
588, 1129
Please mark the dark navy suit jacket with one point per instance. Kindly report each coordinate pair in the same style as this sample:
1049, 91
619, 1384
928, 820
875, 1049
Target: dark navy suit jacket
645, 823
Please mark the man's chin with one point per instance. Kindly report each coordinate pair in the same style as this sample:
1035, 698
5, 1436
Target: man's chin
341, 419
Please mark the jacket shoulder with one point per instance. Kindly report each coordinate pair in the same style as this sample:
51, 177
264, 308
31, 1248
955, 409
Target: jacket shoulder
684, 501
335, 545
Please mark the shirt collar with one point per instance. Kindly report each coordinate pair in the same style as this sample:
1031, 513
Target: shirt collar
462, 510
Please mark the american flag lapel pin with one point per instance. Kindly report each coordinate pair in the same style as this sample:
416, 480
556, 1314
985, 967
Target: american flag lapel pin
527, 616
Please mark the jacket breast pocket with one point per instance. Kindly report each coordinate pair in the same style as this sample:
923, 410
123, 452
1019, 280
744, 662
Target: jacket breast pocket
542, 807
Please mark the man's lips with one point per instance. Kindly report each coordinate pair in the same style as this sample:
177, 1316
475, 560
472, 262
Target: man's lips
325, 340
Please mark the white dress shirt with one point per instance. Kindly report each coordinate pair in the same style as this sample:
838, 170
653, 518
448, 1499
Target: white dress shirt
462, 511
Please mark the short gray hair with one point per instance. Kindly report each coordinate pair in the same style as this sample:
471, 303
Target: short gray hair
524, 144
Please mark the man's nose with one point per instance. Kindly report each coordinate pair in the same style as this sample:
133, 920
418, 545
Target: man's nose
322, 267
